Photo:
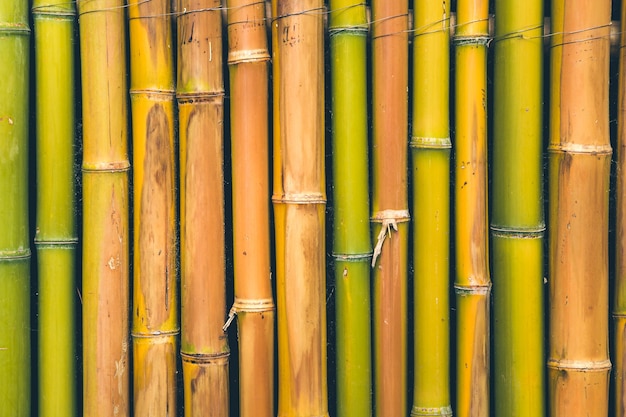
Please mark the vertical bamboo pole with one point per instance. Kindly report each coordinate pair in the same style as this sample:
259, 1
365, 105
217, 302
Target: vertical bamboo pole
56, 236
155, 301
15, 355
390, 214
517, 224
248, 58
619, 310
299, 208
472, 283
105, 270
580, 157
430, 145
200, 92
352, 248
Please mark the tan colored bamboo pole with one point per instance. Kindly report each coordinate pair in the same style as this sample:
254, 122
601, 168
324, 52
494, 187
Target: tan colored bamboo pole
472, 283
299, 208
200, 92
105, 271
248, 59
619, 308
390, 214
155, 301
580, 157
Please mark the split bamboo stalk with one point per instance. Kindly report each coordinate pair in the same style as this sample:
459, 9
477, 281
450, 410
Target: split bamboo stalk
430, 146
200, 92
105, 252
619, 310
580, 157
155, 302
517, 224
472, 283
299, 208
15, 354
390, 214
352, 250
248, 59
56, 236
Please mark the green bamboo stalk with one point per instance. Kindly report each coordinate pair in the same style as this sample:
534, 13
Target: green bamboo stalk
580, 157
517, 224
15, 355
56, 236
472, 282
351, 248
619, 308
390, 214
430, 145
155, 301
105, 253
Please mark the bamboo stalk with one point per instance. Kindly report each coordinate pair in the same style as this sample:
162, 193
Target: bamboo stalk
105, 167
15, 355
155, 301
390, 215
56, 236
430, 146
619, 309
200, 92
352, 249
248, 59
299, 208
472, 283
518, 226
580, 155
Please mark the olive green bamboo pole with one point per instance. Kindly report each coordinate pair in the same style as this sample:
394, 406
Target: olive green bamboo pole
517, 222
299, 208
390, 214
155, 301
472, 282
619, 308
430, 146
200, 92
248, 59
580, 157
15, 355
56, 236
352, 248
105, 248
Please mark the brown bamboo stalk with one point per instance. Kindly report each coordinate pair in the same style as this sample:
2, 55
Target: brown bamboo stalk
248, 59
299, 208
105, 271
580, 156
200, 92
390, 214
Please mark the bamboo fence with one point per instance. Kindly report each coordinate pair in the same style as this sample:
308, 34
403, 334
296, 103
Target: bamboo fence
312, 98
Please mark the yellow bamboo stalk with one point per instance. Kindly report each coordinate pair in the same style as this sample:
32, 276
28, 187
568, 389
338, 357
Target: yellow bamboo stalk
580, 156
200, 92
390, 214
299, 208
155, 301
105, 167
248, 59
472, 282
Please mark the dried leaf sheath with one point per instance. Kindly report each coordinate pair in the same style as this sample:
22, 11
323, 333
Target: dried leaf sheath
200, 93
390, 215
105, 272
248, 59
299, 207
15, 355
580, 155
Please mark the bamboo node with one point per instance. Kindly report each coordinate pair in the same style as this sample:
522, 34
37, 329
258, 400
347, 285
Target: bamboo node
479, 40
219, 358
581, 366
445, 411
478, 289
570, 147
390, 219
429, 143
248, 306
249, 55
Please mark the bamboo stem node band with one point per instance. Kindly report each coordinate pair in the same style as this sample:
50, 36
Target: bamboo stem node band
241, 305
513, 233
14, 255
389, 220
164, 336
248, 55
479, 40
220, 359
580, 148
479, 289
584, 366
419, 142
431, 411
